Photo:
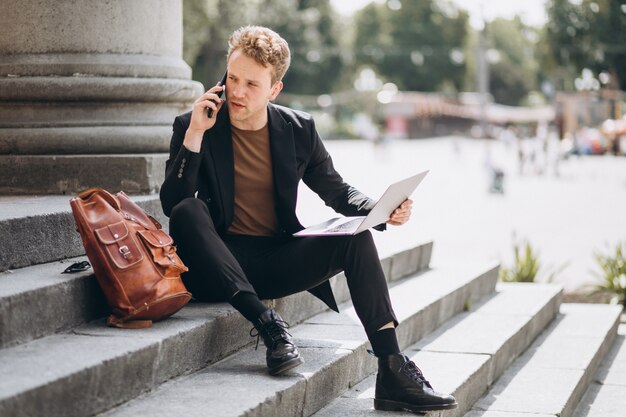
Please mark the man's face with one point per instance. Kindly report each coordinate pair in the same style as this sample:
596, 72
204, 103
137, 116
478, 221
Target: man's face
248, 90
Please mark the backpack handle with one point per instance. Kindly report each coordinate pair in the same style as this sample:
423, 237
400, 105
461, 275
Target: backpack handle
110, 198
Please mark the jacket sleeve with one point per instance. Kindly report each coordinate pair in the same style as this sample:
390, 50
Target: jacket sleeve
321, 177
181, 170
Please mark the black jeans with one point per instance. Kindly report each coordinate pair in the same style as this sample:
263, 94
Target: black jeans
274, 267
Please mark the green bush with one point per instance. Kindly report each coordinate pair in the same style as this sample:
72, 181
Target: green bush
613, 276
526, 265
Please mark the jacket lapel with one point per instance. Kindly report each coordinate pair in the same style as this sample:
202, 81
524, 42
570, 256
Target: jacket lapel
282, 149
220, 143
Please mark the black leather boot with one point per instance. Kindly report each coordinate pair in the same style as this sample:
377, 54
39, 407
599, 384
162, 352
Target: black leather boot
400, 385
282, 354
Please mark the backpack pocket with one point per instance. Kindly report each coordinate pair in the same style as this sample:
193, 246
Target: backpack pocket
120, 246
161, 247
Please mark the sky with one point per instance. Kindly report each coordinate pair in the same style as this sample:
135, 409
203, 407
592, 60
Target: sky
531, 11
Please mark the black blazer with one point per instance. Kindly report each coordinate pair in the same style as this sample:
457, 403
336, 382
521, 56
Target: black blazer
297, 154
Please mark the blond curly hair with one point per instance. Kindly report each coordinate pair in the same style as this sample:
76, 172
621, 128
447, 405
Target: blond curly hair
264, 46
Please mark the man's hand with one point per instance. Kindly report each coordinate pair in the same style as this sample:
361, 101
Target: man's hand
199, 120
402, 214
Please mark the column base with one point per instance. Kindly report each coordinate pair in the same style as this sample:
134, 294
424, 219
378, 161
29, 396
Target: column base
72, 174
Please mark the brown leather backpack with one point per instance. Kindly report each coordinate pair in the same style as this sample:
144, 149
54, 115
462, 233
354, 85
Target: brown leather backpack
134, 260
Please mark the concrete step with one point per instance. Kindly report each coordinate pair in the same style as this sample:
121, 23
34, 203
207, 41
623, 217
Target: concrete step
334, 347
470, 351
94, 368
550, 378
197, 335
42, 229
606, 394
39, 300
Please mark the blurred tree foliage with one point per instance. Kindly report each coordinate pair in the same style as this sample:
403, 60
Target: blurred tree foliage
418, 45
586, 34
513, 67
424, 45
307, 25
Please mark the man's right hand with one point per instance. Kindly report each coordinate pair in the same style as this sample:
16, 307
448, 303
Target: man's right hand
199, 120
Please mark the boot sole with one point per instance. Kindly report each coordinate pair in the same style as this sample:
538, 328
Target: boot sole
285, 366
388, 405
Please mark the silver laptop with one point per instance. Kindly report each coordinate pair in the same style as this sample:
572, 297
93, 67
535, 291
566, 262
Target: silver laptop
391, 199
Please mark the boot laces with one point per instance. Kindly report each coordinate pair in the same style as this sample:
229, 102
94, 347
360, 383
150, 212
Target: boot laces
276, 329
415, 373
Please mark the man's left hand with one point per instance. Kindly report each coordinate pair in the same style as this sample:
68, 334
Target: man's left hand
402, 214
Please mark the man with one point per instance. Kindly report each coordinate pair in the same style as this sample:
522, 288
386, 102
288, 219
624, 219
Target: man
230, 192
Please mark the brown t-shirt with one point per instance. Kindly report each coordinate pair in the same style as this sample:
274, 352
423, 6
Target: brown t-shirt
255, 208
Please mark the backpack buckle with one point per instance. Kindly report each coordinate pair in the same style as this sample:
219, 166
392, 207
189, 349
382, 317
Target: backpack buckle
125, 251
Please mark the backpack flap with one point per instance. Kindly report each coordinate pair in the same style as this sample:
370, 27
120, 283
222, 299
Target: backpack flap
121, 248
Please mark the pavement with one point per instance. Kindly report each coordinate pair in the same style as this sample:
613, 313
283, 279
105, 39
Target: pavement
566, 214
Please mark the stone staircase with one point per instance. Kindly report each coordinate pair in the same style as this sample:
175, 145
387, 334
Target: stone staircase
471, 336
605, 395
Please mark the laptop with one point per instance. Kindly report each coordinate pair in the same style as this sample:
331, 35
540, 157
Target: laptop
395, 195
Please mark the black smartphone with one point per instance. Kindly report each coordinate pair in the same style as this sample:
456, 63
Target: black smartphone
219, 93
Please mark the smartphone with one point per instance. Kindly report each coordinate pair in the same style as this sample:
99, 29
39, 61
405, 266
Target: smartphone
219, 93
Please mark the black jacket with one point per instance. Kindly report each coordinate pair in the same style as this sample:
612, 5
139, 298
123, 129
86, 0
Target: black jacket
297, 154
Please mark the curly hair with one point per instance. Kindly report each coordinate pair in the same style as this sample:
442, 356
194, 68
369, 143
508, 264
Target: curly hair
264, 46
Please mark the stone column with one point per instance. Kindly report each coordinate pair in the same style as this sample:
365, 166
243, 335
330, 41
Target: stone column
88, 93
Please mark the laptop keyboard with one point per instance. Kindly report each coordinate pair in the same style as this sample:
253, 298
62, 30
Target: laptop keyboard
345, 227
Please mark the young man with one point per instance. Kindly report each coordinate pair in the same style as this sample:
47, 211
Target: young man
230, 192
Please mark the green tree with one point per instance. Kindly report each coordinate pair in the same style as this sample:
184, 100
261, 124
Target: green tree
514, 69
198, 17
209, 23
307, 25
513, 72
313, 39
372, 34
587, 34
416, 45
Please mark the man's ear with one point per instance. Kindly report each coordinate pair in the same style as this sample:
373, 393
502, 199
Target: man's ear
276, 88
